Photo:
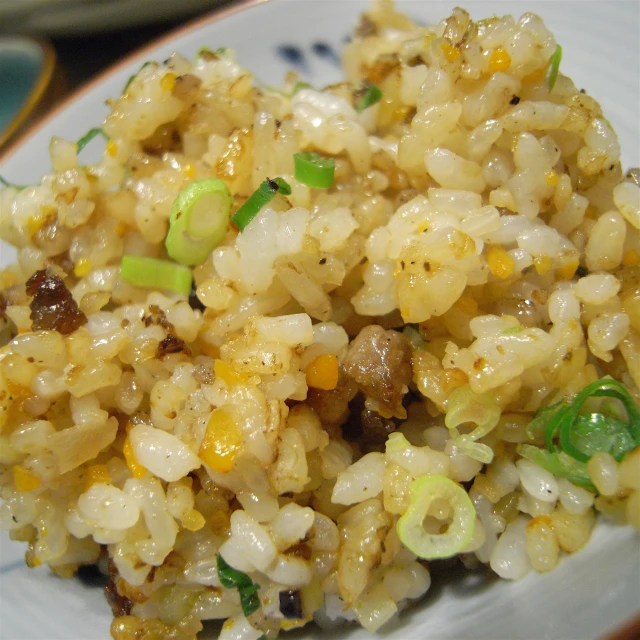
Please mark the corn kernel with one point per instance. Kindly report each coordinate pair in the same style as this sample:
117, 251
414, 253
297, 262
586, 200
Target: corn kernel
222, 442
35, 223
168, 81
193, 521
97, 474
189, 171
500, 263
551, 178
449, 52
225, 373
112, 148
24, 480
568, 270
537, 75
137, 470
542, 264
322, 373
631, 258
82, 267
500, 60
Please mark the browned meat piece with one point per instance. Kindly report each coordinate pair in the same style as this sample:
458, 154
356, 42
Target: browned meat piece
380, 362
53, 306
172, 344
332, 407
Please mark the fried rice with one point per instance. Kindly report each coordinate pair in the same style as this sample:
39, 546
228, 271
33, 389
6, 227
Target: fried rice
437, 356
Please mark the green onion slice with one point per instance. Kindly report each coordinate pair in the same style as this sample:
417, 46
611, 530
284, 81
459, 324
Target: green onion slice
152, 273
559, 464
199, 221
410, 527
554, 66
582, 435
369, 96
464, 406
89, 136
258, 199
248, 590
314, 170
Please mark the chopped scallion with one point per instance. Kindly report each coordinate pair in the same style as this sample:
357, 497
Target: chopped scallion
152, 273
248, 590
512, 331
314, 170
583, 435
89, 136
554, 66
559, 464
258, 199
199, 221
368, 97
424, 491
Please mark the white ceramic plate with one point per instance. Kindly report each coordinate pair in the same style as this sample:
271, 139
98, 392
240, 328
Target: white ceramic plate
591, 592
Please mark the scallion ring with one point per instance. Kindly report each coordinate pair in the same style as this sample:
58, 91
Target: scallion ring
199, 221
410, 527
314, 170
152, 273
258, 199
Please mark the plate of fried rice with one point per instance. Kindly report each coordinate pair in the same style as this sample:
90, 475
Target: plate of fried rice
323, 319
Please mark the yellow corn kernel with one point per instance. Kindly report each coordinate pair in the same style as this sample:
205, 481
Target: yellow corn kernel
225, 373
24, 480
542, 264
449, 52
97, 474
500, 60
82, 267
568, 270
222, 442
537, 75
193, 521
112, 148
189, 171
168, 81
288, 624
137, 470
500, 263
35, 223
551, 178
466, 304
322, 373
631, 258
220, 522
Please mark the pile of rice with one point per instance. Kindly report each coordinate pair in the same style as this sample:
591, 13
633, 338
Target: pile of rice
480, 237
